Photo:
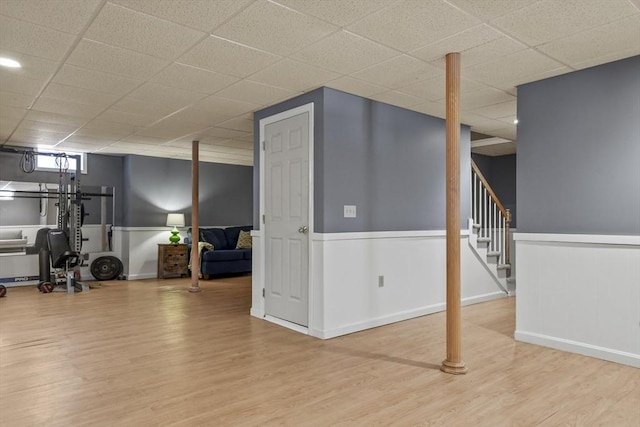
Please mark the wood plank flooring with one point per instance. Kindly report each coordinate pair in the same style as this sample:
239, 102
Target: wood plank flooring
149, 353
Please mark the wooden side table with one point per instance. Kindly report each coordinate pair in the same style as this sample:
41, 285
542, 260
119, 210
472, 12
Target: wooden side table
172, 260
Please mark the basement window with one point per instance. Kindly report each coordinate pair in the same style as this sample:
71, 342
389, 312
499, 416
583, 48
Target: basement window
52, 163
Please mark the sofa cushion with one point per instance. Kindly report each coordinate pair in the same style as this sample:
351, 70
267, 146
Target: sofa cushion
246, 253
233, 233
215, 236
223, 255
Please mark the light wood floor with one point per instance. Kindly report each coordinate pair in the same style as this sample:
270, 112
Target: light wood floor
146, 353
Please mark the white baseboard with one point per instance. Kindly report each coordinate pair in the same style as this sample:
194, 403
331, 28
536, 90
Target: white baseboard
142, 276
579, 348
399, 317
257, 313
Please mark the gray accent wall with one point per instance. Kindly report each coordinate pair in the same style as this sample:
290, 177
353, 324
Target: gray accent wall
387, 161
156, 186
578, 162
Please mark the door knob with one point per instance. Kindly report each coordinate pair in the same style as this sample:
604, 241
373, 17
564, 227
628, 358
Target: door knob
303, 229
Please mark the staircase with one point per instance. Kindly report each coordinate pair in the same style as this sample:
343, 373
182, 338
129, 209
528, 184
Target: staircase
489, 231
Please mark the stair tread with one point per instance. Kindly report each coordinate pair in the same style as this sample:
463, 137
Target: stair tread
504, 266
494, 253
484, 239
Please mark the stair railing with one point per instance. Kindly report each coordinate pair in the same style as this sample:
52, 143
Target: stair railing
490, 216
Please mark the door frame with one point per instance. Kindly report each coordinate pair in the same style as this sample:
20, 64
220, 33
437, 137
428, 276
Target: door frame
306, 108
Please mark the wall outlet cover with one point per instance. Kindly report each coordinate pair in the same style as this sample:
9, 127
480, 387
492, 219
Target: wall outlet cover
349, 211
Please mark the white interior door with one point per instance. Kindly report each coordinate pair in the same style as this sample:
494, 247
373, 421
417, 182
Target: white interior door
286, 223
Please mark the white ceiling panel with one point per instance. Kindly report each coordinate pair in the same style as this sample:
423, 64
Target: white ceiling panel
204, 15
193, 79
79, 95
547, 20
356, 86
70, 75
119, 26
490, 9
293, 75
178, 70
115, 60
24, 37
337, 12
249, 91
397, 98
239, 60
17, 100
68, 16
620, 36
274, 28
510, 70
345, 52
409, 24
400, 71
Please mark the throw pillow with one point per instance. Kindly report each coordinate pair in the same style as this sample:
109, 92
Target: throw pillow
244, 240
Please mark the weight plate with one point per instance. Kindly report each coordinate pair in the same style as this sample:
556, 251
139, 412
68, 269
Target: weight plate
106, 268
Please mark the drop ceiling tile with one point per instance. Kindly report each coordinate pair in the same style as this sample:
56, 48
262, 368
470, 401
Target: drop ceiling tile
17, 100
497, 111
110, 59
508, 132
356, 86
604, 41
398, 99
253, 92
435, 109
37, 137
486, 96
122, 27
271, 27
409, 24
219, 132
490, 9
127, 118
78, 95
476, 45
548, 20
69, 16
400, 71
70, 75
88, 140
433, 89
340, 13
79, 147
55, 118
239, 60
511, 70
29, 125
496, 150
239, 123
170, 97
344, 52
98, 128
56, 106
193, 79
170, 128
604, 59
147, 140
18, 83
219, 106
203, 15
24, 37
293, 75
144, 108
33, 67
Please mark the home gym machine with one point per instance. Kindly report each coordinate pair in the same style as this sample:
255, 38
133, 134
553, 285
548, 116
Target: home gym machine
60, 248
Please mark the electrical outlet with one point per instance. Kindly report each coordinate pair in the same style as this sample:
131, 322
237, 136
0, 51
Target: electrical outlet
349, 211
380, 281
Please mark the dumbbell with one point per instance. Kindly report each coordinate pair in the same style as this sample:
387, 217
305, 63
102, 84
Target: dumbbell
3, 291
45, 287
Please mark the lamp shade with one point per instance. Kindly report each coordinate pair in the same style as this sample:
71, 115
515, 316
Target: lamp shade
175, 220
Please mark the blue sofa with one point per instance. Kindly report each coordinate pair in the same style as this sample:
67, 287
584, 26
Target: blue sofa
224, 258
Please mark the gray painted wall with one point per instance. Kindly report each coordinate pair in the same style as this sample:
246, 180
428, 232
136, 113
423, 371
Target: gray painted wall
579, 152
388, 161
155, 186
101, 170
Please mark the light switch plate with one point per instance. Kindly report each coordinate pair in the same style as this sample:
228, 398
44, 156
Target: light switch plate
349, 211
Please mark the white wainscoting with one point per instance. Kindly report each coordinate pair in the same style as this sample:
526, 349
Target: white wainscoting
139, 249
580, 293
345, 268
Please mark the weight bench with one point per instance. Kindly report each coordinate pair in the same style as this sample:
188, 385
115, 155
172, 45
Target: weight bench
62, 257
